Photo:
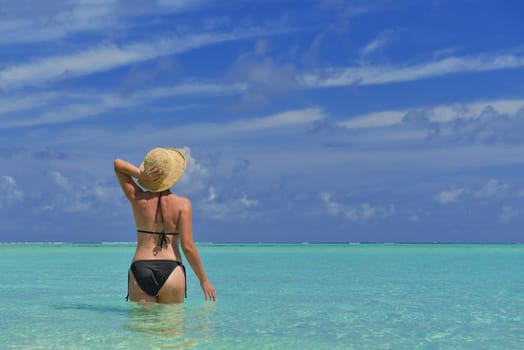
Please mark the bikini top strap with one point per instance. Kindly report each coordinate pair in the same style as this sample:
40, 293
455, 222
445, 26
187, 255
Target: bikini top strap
159, 217
158, 213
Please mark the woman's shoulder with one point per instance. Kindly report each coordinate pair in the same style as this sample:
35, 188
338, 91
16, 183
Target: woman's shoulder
181, 200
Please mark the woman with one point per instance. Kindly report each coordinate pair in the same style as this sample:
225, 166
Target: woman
163, 222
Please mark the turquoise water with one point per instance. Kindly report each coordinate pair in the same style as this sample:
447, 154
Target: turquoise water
309, 296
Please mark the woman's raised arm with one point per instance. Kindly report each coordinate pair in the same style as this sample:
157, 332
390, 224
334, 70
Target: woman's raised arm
125, 172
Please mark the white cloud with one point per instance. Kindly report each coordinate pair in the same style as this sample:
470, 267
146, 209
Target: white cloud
196, 182
181, 4
60, 180
351, 214
90, 104
373, 75
226, 209
413, 218
368, 211
212, 194
195, 178
492, 189
82, 197
66, 113
91, 199
439, 113
204, 89
95, 104
374, 119
445, 113
10, 193
362, 211
248, 203
380, 41
288, 118
263, 76
520, 193
333, 208
105, 193
44, 29
451, 196
240, 127
56, 19
109, 56
13, 103
508, 213
82, 63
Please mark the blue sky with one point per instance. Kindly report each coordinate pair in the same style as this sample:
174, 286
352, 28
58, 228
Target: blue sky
314, 120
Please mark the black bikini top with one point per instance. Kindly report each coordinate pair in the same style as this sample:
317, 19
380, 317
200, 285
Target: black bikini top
159, 217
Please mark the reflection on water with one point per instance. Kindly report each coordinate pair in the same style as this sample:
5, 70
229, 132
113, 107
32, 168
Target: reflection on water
174, 326
155, 319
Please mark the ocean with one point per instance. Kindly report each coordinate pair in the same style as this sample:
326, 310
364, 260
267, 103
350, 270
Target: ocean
270, 296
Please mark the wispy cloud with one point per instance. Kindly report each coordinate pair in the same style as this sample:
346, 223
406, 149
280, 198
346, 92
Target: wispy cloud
491, 190
66, 107
66, 113
437, 114
489, 128
10, 193
377, 43
219, 198
20, 102
263, 76
60, 180
196, 176
84, 198
450, 196
288, 118
355, 212
109, 56
244, 126
507, 213
374, 119
247, 202
54, 26
54, 19
203, 89
374, 75
232, 207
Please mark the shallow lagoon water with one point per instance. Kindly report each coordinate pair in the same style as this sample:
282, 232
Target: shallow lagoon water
271, 296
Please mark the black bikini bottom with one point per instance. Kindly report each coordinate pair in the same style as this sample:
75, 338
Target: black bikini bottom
152, 274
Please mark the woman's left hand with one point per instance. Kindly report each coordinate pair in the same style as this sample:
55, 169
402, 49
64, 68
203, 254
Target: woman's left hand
209, 291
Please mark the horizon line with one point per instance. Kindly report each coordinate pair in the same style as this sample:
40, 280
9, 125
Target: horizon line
275, 242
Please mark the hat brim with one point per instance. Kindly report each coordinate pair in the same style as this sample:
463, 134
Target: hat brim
174, 169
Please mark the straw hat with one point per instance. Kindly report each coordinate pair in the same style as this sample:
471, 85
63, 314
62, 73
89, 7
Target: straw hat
171, 160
